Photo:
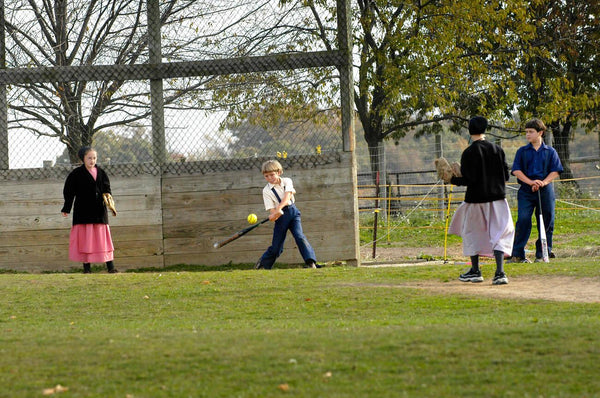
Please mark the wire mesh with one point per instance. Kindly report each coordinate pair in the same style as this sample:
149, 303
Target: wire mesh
412, 184
277, 107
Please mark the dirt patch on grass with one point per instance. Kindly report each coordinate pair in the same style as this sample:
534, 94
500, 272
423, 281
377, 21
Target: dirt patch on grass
554, 288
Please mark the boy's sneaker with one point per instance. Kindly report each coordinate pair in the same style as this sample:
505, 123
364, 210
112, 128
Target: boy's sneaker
471, 276
500, 279
516, 260
312, 264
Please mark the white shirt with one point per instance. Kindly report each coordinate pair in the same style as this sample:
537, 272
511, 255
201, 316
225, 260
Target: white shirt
285, 185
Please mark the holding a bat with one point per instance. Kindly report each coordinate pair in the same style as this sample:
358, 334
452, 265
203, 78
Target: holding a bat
535, 165
255, 224
278, 197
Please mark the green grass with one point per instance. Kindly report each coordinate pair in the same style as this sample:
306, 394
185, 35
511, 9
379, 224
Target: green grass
332, 332
230, 331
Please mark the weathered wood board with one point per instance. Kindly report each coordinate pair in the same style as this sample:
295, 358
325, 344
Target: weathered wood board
174, 217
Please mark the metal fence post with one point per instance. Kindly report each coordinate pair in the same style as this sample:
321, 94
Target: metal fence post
346, 82
4, 164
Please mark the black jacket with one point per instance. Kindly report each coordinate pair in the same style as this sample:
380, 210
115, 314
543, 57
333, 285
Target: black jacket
484, 171
89, 206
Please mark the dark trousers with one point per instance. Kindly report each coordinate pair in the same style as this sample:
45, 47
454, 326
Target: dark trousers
528, 202
289, 221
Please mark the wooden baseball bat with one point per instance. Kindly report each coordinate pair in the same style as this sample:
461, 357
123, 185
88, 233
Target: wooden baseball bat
543, 239
239, 234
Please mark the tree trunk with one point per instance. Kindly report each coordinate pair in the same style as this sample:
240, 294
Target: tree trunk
78, 136
561, 138
374, 157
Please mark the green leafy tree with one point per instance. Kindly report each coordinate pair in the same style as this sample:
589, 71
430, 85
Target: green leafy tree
558, 77
426, 65
418, 64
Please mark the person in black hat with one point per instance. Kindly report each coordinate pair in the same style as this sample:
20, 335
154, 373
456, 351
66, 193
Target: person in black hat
483, 220
90, 240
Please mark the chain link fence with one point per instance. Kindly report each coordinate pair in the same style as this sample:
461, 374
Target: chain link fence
215, 81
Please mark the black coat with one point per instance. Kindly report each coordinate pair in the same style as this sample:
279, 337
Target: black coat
484, 171
89, 206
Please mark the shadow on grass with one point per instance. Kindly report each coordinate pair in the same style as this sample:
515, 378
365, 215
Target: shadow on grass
98, 269
208, 268
172, 268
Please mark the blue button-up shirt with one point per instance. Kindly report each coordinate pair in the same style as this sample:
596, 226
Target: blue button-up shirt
536, 165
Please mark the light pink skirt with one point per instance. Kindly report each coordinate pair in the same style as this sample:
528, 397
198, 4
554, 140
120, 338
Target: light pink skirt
91, 243
484, 227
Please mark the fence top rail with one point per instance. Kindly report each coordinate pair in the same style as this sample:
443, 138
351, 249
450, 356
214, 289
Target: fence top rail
171, 70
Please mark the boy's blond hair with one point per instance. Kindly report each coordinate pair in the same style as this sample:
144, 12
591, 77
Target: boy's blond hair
271, 165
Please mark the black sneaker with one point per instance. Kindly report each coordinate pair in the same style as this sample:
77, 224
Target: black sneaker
500, 279
517, 260
258, 265
552, 255
471, 276
312, 264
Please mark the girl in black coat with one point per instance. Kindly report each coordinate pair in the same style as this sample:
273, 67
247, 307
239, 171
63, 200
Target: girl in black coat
90, 240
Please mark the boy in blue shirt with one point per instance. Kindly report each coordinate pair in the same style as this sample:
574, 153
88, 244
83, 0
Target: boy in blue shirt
535, 165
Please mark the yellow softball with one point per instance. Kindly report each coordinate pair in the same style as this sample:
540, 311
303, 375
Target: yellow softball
252, 219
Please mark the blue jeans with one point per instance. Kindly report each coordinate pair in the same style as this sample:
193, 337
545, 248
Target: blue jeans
529, 202
290, 220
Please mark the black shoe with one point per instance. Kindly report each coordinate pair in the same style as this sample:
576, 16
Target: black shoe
515, 259
113, 271
500, 279
312, 264
552, 255
471, 276
258, 265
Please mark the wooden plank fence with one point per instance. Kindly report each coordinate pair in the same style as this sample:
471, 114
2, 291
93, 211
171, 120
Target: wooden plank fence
174, 218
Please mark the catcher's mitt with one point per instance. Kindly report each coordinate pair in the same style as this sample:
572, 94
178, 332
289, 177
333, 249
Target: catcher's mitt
110, 203
456, 169
444, 170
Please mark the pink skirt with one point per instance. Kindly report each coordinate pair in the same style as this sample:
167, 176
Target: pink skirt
90, 243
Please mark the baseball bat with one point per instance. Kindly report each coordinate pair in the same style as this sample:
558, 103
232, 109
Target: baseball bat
239, 234
543, 239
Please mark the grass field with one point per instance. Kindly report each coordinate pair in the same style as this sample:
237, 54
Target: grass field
339, 331
331, 332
